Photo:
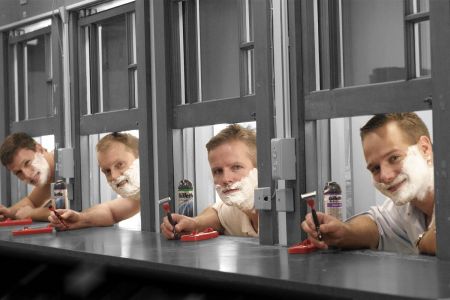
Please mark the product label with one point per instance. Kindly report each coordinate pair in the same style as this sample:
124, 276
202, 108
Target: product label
333, 205
60, 199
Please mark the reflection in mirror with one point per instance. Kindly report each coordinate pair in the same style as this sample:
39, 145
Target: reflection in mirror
348, 164
102, 190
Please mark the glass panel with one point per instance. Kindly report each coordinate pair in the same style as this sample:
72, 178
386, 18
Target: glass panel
20, 189
373, 41
425, 52
38, 93
219, 49
247, 28
114, 64
348, 165
249, 72
132, 58
100, 190
85, 72
191, 163
424, 5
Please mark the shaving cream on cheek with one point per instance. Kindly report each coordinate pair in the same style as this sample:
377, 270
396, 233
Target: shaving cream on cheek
243, 197
40, 165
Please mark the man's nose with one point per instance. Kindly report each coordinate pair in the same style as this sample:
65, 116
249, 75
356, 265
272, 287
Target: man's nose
115, 174
28, 173
387, 174
228, 177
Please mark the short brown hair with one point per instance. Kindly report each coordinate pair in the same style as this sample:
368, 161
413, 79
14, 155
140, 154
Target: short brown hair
130, 141
410, 123
235, 132
13, 143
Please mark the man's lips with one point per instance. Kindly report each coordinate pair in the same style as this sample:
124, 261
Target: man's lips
35, 179
395, 187
230, 191
122, 183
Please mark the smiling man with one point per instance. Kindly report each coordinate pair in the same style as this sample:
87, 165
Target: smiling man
398, 152
232, 158
34, 165
118, 159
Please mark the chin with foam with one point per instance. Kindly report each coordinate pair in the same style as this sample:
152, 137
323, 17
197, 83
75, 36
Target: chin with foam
243, 198
131, 189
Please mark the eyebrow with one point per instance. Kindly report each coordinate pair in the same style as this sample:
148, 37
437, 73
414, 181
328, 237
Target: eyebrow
369, 166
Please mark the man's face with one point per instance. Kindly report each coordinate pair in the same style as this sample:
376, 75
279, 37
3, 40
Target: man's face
401, 171
31, 166
119, 165
234, 174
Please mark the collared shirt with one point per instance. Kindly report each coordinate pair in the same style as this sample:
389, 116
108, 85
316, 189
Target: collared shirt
234, 221
399, 226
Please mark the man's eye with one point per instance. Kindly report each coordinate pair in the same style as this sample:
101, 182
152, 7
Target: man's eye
394, 158
375, 170
216, 172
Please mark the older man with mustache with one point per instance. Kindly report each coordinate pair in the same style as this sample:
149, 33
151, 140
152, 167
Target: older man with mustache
118, 159
232, 158
32, 164
398, 152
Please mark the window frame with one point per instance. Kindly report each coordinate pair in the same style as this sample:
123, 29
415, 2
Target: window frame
256, 107
411, 94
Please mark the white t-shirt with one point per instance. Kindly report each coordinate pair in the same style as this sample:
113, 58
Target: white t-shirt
399, 226
234, 221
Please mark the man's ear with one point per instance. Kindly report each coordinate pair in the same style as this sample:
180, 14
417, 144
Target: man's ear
425, 147
39, 148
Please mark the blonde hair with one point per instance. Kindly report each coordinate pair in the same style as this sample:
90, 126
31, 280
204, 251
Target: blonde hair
235, 132
130, 141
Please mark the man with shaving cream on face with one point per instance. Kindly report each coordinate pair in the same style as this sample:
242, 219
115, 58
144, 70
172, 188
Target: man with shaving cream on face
118, 159
34, 165
398, 151
232, 158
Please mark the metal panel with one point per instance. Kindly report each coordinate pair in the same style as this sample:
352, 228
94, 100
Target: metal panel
220, 266
5, 179
76, 204
109, 121
215, 112
58, 100
145, 113
440, 43
106, 14
400, 96
31, 35
161, 129
268, 225
35, 127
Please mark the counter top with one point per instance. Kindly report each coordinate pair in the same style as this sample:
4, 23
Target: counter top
242, 261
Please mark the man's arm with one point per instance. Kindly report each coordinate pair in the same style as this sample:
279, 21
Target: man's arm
208, 218
427, 244
362, 232
104, 214
358, 233
185, 225
29, 206
110, 212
